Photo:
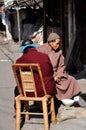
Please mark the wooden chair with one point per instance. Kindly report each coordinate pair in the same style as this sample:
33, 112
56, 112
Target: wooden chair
27, 81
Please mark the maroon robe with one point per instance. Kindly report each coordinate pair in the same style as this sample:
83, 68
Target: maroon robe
33, 56
68, 86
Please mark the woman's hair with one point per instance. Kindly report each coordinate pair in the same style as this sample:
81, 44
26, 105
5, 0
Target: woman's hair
26, 44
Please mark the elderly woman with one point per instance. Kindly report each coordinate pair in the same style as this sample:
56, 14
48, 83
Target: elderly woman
66, 85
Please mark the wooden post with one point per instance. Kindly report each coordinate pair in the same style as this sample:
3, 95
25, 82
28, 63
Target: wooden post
18, 19
44, 24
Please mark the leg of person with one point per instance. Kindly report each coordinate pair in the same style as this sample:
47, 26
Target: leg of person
16, 93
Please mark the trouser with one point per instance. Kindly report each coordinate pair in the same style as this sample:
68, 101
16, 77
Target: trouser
16, 93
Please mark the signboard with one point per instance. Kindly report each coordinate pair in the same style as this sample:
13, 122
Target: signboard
7, 3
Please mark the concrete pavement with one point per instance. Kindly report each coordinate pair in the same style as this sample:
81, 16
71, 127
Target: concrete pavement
8, 54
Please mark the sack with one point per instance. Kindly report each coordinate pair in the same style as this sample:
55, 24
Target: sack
65, 112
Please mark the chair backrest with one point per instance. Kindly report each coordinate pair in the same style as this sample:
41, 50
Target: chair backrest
25, 79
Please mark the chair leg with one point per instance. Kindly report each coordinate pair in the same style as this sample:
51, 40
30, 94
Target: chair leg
26, 110
52, 107
45, 114
18, 108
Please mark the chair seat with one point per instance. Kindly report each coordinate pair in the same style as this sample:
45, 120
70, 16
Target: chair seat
21, 97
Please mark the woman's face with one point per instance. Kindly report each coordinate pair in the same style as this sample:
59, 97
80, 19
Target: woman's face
55, 44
